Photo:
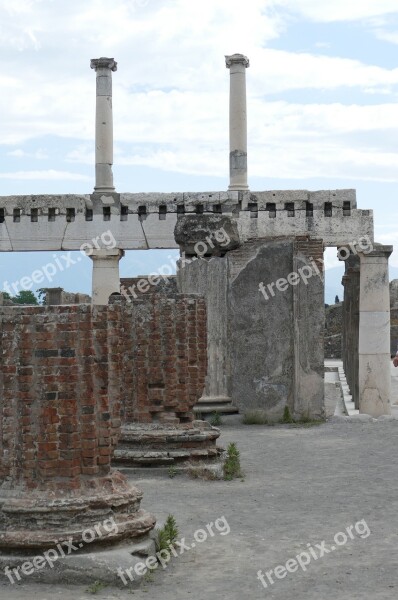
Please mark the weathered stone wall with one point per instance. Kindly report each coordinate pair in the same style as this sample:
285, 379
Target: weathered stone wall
264, 354
394, 293
394, 315
309, 320
333, 329
261, 332
137, 287
57, 296
394, 331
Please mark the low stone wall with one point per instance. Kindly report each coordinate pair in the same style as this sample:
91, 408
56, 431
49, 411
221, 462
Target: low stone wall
58, 296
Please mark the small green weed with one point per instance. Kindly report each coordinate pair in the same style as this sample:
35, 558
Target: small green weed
232, 468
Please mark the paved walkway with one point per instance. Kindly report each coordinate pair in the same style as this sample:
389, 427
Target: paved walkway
333, 363
302, 486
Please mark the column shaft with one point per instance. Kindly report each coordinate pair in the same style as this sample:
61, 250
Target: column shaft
104, 124
106, 278
374, 333
237, 64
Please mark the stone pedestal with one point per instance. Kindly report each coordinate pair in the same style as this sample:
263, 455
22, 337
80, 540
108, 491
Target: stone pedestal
104, 124
60, 414
374, 332
237, 64
156, 444
106, 278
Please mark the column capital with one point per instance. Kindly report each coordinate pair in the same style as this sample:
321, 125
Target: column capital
236, 59
105, 253
103, 63
378, 251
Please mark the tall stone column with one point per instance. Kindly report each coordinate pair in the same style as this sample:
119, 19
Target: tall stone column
237, 64
374, 332
106, 278
104, 124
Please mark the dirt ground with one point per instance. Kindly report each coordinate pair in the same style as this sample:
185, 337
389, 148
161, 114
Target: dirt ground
301, 487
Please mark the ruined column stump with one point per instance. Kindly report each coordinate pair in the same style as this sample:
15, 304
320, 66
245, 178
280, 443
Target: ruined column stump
60, 404
164, 375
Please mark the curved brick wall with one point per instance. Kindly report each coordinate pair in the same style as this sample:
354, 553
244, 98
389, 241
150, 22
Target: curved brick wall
60, 417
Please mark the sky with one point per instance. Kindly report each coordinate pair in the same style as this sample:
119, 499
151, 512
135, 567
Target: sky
322, 93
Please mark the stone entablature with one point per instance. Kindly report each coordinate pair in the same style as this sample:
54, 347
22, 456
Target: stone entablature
145, 221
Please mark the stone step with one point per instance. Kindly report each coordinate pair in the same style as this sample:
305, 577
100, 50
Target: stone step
222, 409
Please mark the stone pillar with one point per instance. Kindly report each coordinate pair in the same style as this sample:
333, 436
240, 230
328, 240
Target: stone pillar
106, 279
350, 325
344, 322
237, 64
104, 124
209, 278
308, 305
374, 332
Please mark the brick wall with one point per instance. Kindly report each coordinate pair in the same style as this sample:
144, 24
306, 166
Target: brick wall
59, 392
311, 248
69, 373
165, 361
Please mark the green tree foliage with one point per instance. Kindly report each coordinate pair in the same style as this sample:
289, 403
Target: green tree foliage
24, 297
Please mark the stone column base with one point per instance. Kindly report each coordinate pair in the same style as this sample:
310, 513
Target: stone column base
106, 509
208, 405
147, 445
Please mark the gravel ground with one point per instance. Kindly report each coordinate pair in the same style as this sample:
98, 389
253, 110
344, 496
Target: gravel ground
301, 486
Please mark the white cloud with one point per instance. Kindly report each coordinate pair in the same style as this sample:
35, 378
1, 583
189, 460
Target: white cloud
19, 153
49, 175
275, 71
171, 89
386, 36
340, 10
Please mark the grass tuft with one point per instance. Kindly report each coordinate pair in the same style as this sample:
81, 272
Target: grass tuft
255, 417
215, 419
232, 468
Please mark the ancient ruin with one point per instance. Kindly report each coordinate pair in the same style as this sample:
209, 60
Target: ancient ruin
242, 329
